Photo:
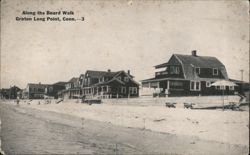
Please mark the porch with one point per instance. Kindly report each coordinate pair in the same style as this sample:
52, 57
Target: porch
106, 92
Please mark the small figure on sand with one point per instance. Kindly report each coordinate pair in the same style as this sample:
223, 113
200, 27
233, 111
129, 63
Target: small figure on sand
17, 101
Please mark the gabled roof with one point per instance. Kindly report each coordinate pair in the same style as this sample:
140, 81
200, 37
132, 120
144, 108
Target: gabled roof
119, 72
107, 82
60, 83
112, 76
98, 74
161, 65
73, 80
37, 84
196, 61
199, 61
189, 62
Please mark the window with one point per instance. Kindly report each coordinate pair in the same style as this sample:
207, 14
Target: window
222, 87
174, 70
123, 90
195, 86
208, 84
231, 87
177, 70
101, 79
192, 86
176, 84
132, 90
215, 71
126, 79
198, 70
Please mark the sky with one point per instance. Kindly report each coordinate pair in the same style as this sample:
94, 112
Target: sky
119, 35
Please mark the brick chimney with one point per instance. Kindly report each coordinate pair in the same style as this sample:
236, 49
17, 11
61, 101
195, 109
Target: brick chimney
194, 53
128, 72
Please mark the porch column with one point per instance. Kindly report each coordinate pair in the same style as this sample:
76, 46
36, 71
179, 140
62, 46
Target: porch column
168, 86
101, 91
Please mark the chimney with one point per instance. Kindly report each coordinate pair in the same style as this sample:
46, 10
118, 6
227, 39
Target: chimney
109, 70
128, 72
194, 53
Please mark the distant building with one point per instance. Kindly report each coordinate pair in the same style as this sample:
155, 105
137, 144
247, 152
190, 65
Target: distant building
34, 91
107, 84
53, 89
186, 75
72, 89
9, 93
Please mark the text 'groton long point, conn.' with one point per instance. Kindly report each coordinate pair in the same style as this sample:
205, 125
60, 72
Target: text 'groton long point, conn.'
48, 16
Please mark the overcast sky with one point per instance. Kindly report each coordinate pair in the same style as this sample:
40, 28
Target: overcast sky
119, 35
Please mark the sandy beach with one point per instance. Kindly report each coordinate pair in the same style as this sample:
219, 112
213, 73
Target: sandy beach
55, 128
223, 126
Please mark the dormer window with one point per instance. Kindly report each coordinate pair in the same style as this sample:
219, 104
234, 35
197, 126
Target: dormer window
101, 79
174, 70
126, 79
119, 78
215, 71
198, 70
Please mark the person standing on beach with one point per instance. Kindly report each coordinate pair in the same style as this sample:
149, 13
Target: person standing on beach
17, 100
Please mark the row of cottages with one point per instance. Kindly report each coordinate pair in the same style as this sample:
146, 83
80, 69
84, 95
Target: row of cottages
102, 84
187, 75
41, 91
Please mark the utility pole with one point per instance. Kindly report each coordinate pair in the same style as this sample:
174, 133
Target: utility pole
242, 74
9, 92
241, 80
